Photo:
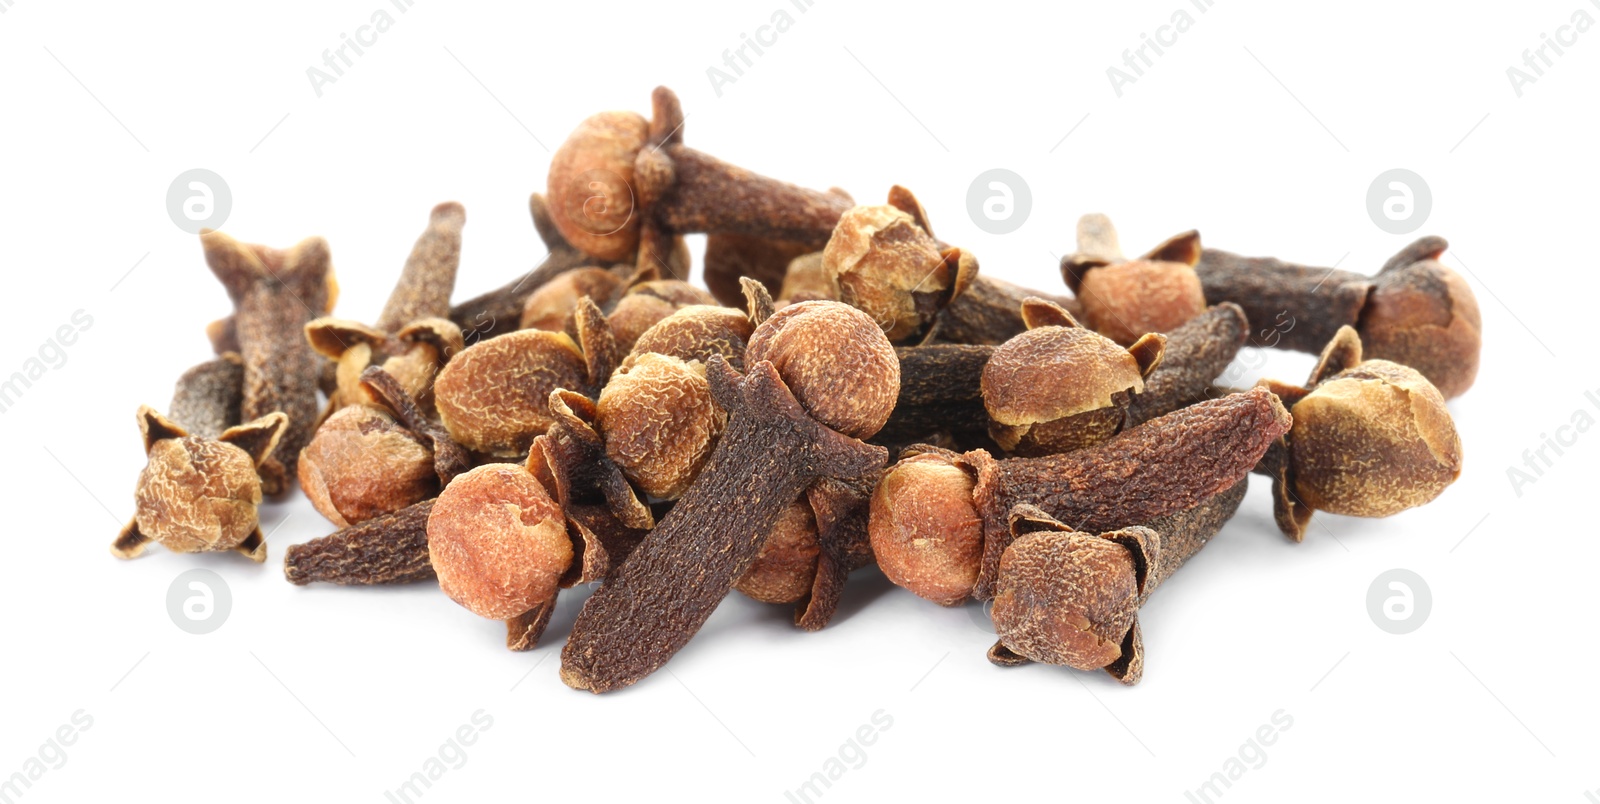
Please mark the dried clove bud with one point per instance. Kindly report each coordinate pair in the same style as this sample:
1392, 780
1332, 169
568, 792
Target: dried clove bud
1160, 467
1067, 597
199, 495
413, 356
884, 261
1415, 311
806, 279
989, 312
498, 542
494, 396
659, 422
731, 257
925, 531
1060, 387
771, 452
377, 458
1382, 417
1125, 299
429, 275
810, 342
940, 391
621, 187
206, 399
275, 293
386, 549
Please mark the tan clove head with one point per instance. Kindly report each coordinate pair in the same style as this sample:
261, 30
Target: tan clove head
362, 463
648, 303
786, 567
1065, 597
494, 397
659, 422
498, 542
925, 529
591, 185
1424, 315
836, 361
882, 262
697, 332
554, 306
1125, 299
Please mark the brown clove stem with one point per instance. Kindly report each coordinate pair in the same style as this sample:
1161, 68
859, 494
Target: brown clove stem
429, 275
1197, 354
989, 312
387, 549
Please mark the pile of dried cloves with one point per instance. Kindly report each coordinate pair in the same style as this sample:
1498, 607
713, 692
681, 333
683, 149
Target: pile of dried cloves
849, 390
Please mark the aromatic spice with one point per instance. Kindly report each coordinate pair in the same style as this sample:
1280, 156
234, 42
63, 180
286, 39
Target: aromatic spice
199, 495
554, 306
275, 293
1196, 354
647, 304
621, 186
786, 566
1060, 387
386, 549
1124, 299
413, 356
731, 257
377, 458
494, 396
989, 312
778, 444
1380, 416
659, 422
1415, 311
695, 333
1067, 597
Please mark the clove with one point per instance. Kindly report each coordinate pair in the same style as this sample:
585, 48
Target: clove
1125, 299
1416, 311
387, 549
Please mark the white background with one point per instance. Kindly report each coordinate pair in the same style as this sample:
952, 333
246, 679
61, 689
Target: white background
1262, 127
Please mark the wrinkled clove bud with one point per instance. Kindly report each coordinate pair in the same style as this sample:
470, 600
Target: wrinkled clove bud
1060, 387
1068, 597
199, 495
695, 333
621, 186
786, 566
494, 397
275, 293
925, 531
498, 542
1371, 438
377, 458
780, 441
1165, 465
659, 422
884, 261
387, 549
806, 279
554, 306
1416, 311
1124, 299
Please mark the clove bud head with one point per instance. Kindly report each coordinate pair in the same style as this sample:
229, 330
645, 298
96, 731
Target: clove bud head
1058, 386
1065, 597
837, 362
554, 305
660, 423
880, 261
362, 463
697, 332
494, 397
498, 542
925, 529
786, 567
1425, 316
647, 304
591, 185
1373, 440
